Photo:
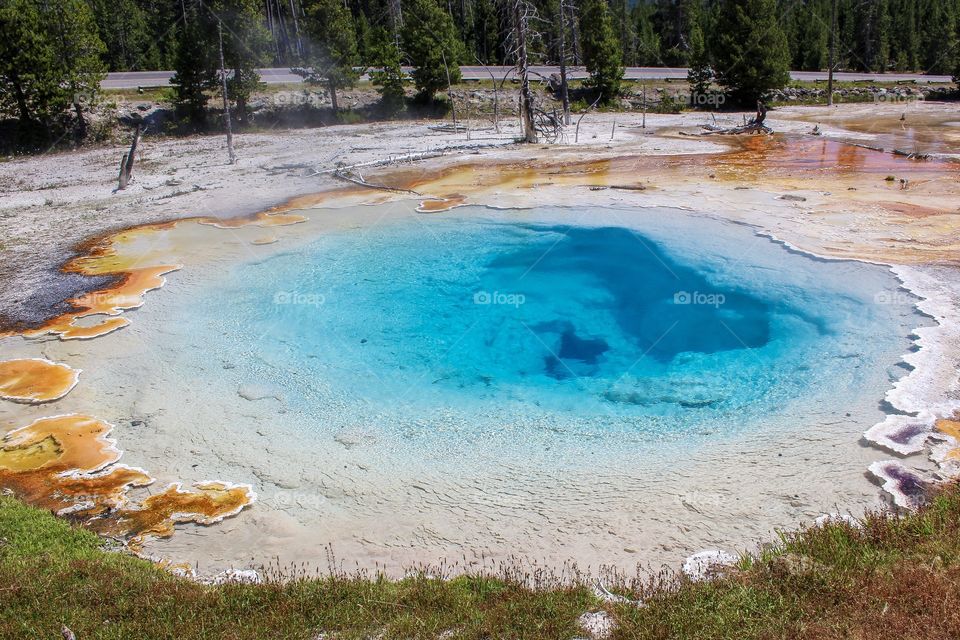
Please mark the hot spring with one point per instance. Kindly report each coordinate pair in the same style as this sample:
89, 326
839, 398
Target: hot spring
558, 382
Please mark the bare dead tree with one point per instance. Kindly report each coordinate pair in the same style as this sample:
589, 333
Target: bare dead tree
497, 88
564, 86
226, 100
521, 12
575, 37
453, 102
126, 163
396, 19
833, 51
296, 29
576, 135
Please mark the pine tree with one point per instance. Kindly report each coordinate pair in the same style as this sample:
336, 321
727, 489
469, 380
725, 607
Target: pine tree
941, 40
245, 43
813, 39
700, 73
365, 38
50, 61
387, 76
196, 66
749, 50
626, 31
601, 50
332, 52
489, 46
905, 40
883, 36
431, 44
648, 40
29, 75
72, 30
125, 30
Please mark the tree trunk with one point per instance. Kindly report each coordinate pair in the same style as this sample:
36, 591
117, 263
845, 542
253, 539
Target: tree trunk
81, 121
241, 100
333, 96
575, 39
296, 29
226, 101
21, 100
126, 164
526, 103
564, 92
833, 51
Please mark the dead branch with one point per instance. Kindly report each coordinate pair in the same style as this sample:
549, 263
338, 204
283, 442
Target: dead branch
549, 125
359, 180
912, 155
453, 103
497, 87
756, 125
576, 135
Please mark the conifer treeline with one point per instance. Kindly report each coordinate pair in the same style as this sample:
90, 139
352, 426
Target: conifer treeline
55, 52
873, 35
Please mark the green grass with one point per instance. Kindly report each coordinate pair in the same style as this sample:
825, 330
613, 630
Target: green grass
892, 577
53, 574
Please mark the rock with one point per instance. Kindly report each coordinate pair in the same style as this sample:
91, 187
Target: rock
243, 576
792, 198
597, 624
831, 518
706, 564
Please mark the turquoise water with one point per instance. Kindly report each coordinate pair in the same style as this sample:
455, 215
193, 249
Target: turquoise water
525, 327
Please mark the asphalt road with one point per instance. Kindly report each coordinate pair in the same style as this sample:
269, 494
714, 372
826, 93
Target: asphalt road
134, 79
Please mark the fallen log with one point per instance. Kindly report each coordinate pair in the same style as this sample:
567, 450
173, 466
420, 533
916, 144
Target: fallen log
756, 125
911, 155
359, 180
409, 157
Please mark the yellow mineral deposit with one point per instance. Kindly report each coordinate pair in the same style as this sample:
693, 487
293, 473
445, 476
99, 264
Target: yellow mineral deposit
36, 380
105, 305
68, 464
442, 204
207, 503
951, 428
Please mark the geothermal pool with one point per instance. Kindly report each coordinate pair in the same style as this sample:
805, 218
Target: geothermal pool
540, 333
591, 384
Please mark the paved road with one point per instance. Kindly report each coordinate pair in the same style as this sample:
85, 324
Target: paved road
133, 79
